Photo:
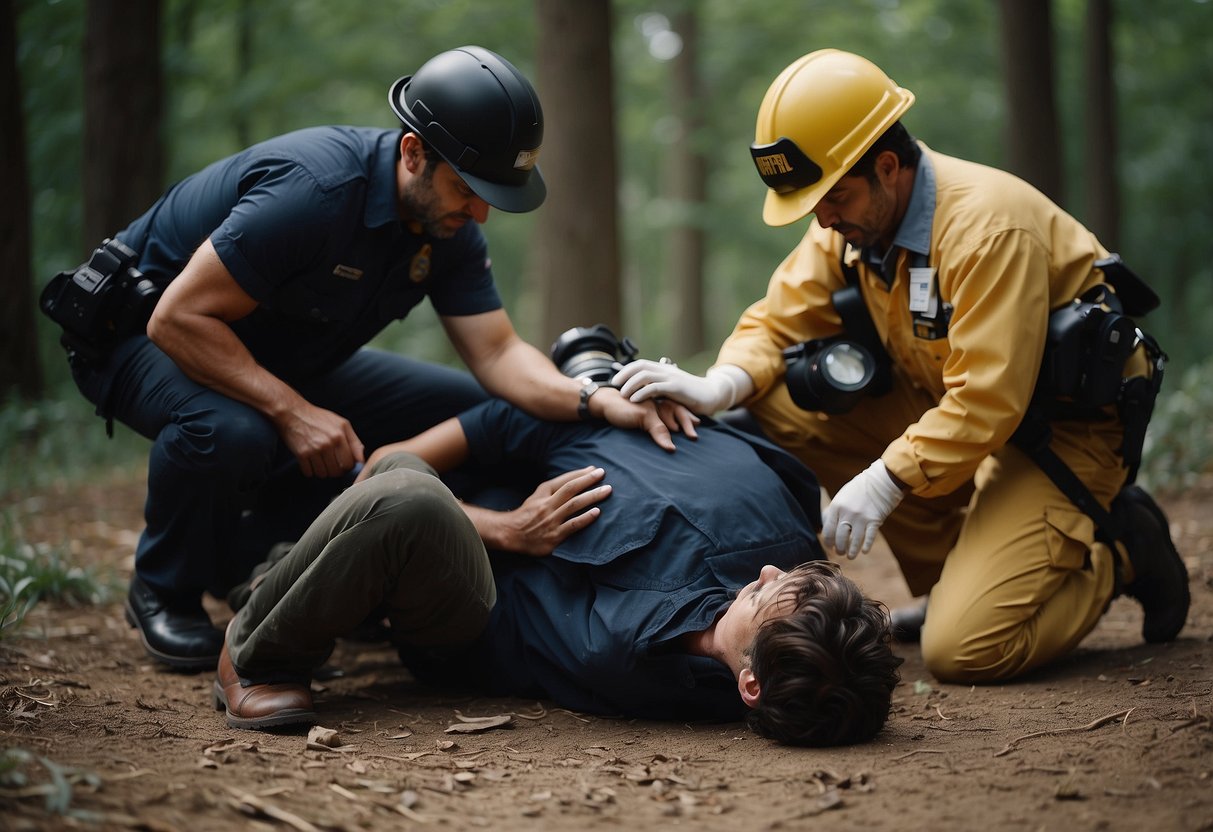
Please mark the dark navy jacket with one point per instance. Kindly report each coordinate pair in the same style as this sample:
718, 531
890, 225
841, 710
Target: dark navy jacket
308, 226
594, 626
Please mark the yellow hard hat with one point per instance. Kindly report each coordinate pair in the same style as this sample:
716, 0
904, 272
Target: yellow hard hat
817, 119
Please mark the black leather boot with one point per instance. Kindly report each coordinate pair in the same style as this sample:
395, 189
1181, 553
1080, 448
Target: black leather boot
177, 633
906, 622
1160, 582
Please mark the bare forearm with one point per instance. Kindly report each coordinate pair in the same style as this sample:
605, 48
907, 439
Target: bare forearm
443, 446
524, 376
494, 528
208, 351
514, 370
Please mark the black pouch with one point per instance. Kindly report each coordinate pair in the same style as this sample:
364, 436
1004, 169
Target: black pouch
1088, 343
100, 302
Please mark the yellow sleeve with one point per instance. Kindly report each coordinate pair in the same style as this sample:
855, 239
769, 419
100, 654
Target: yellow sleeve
796, 308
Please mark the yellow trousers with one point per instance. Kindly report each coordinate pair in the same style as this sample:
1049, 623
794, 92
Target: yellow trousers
1015, 575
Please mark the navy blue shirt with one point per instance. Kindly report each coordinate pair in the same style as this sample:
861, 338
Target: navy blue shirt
307, 224
594, 627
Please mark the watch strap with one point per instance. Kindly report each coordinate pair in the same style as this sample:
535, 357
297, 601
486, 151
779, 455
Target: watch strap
588, 389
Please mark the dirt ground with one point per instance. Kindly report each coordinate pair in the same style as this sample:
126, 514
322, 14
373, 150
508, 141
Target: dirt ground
1118, 736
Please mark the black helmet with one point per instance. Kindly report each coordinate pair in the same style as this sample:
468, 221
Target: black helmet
483, 117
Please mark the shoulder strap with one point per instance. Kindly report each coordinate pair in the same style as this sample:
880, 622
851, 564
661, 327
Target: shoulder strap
1033, 437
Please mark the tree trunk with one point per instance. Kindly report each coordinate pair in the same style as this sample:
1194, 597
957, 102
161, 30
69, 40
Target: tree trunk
124, 155
687, 191
20, 370
577, 251
1099, 160
1033, 139
244, 67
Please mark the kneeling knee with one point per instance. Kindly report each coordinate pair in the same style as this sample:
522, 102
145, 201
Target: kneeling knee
953, 655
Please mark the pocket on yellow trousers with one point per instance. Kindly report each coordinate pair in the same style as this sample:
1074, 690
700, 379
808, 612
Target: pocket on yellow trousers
1069, 534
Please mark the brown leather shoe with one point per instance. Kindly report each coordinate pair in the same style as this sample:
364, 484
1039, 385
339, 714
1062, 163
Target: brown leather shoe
258, 707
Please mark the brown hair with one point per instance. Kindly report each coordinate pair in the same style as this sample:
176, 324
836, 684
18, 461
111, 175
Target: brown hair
826, 671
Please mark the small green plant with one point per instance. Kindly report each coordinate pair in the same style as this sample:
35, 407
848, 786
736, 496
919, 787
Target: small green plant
1179, 444
15, 773
30, 573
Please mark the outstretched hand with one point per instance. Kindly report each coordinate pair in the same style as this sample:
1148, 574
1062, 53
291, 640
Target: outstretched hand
558, 508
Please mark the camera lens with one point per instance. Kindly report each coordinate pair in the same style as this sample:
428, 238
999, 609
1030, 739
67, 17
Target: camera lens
830, 377
845, 366
587, 353
592, 364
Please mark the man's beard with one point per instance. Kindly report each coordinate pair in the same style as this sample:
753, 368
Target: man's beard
872, 230
419, 203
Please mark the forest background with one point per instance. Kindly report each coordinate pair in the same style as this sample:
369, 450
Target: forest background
1102, 104
653, 226
654, 222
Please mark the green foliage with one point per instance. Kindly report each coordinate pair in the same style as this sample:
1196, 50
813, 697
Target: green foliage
313, 62
948, 53
16, 772
49, 36
743, 47
60, 438
1179, 444
32, 573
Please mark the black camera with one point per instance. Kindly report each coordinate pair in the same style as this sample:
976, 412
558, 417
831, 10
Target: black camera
100, 302
592, 353
830, 375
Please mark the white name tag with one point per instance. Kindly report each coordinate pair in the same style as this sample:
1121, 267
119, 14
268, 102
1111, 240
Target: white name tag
923, 296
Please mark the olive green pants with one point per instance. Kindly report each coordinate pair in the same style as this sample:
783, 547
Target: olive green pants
1015, 575
396, 545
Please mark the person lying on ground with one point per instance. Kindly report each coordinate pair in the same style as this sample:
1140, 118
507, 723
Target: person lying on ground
696, 591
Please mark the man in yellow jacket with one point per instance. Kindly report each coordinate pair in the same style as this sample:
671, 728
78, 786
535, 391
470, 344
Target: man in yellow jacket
956, 269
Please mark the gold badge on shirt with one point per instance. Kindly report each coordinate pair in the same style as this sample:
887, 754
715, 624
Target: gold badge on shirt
419, 268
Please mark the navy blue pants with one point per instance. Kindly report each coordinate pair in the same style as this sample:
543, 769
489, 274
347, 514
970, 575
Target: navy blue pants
222, 487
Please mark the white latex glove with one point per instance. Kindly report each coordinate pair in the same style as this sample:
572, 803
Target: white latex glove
720, 389
851, 519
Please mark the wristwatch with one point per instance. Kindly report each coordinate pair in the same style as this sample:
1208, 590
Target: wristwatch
588, 388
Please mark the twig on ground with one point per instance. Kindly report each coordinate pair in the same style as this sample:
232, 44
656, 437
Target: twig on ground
1090, 726
410, 814
1200, 720
540, 713
919, 751
258, 806
344, 792
574, 715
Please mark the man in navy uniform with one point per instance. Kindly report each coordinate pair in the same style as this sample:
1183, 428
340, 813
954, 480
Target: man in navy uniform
278, 265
